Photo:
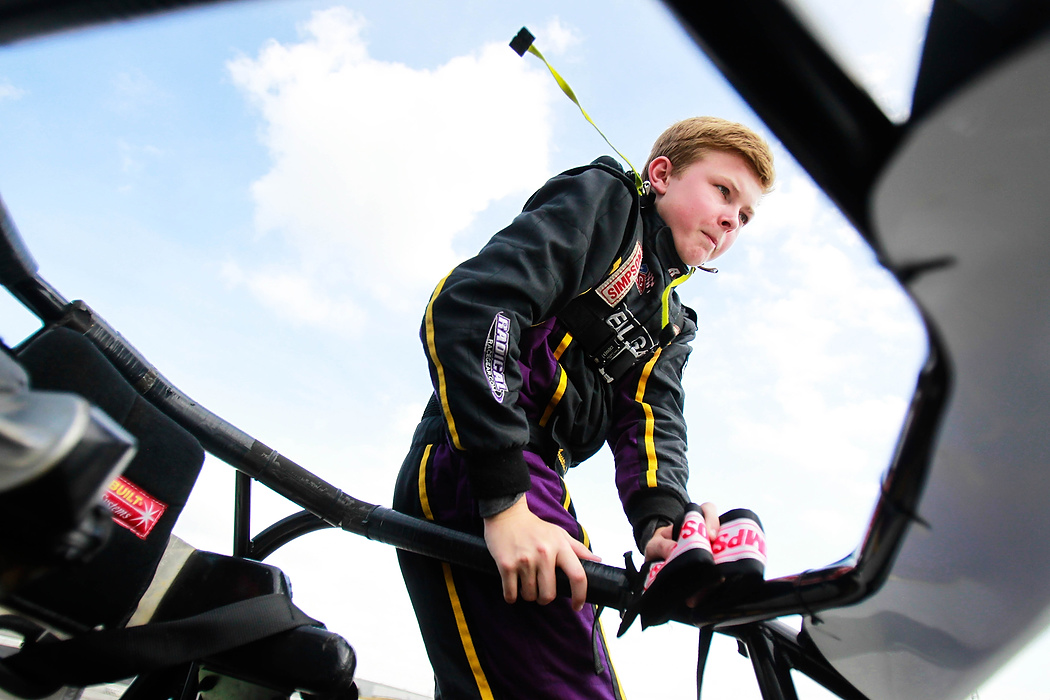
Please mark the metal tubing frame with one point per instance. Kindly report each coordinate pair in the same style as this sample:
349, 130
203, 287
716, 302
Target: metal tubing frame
771, 669
326, 506
242, 512
834, 130
846, 114
806, 593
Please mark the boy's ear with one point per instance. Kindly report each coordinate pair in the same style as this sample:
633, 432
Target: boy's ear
660, 173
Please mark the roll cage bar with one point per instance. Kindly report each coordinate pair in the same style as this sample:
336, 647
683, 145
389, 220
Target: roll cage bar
774, 648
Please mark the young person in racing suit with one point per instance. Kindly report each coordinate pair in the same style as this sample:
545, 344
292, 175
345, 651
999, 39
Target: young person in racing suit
564, 333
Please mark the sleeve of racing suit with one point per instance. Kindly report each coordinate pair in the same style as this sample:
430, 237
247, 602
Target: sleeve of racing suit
648, 436
561, 244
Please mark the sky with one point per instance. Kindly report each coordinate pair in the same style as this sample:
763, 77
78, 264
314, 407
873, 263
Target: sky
261, 196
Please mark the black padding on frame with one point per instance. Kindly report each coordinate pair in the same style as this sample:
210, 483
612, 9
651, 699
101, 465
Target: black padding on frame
166, 466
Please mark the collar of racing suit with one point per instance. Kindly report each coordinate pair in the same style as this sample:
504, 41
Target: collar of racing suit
674, 269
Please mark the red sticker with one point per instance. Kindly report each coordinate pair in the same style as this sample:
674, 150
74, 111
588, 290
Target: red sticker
614, 289
132, 507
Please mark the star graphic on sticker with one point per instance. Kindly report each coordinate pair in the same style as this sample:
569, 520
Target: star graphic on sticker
148, 516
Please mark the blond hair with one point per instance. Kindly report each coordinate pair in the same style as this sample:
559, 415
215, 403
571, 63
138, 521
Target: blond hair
687, 141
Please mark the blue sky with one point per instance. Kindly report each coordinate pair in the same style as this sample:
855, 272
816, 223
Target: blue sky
261, 196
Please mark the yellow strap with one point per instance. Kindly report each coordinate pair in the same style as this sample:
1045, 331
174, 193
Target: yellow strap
665, 311
525, 34
572, 96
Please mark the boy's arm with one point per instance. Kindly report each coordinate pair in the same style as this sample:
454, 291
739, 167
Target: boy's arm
648, 439
471, 330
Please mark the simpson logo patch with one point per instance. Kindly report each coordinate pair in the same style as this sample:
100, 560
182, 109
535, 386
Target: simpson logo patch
132, 507
495, 358
614, 289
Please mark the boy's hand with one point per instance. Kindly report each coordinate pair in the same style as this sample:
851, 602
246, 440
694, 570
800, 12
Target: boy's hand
661, 544
529, 550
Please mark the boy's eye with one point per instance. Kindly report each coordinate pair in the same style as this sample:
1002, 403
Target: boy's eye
744, 218
723, 189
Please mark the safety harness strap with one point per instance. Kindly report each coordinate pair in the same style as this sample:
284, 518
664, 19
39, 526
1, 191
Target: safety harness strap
610, 336
41, 668
601, 320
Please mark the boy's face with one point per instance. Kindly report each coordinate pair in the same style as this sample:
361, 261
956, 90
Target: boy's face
706, 204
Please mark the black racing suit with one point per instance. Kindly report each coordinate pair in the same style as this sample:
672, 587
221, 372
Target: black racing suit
518, 400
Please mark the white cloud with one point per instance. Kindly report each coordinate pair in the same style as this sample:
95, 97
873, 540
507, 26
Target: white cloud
133, 158
377, 166
810, 348
296, 298
133, 90
914, 9
557, 37
10, 92
889, 76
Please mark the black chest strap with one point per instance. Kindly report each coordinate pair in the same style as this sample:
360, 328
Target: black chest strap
615, 328
616, 338
613, 338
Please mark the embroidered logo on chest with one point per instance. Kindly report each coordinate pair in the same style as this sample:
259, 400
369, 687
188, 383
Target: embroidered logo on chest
646, 280
614, 289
